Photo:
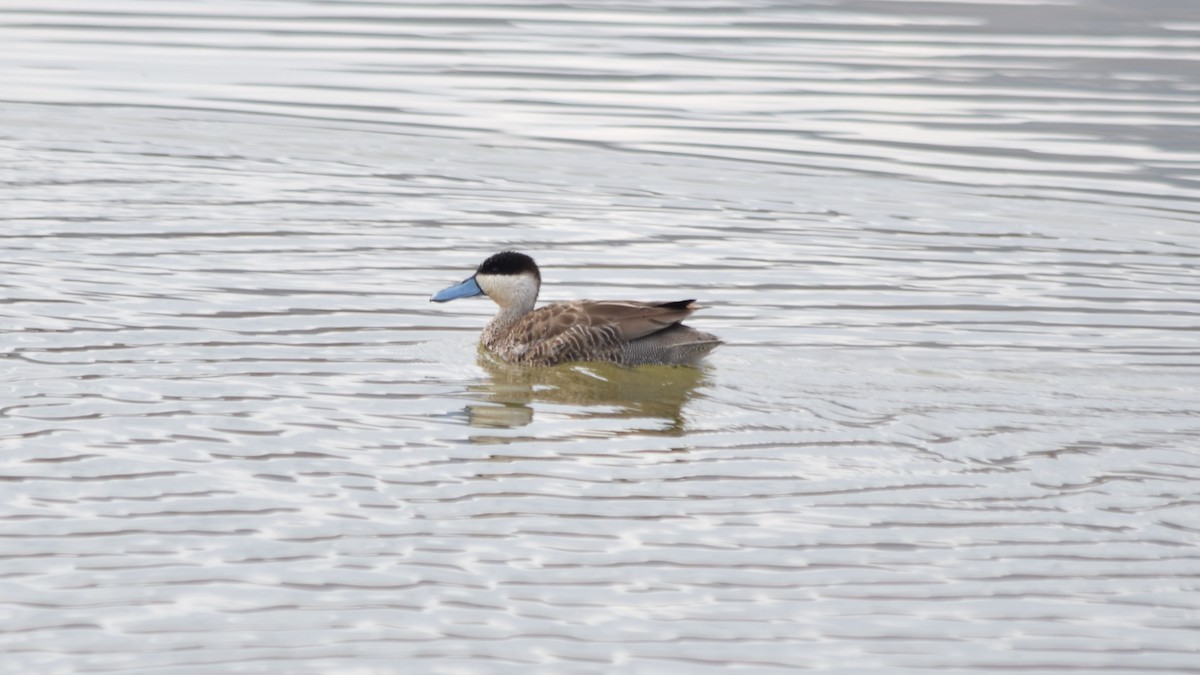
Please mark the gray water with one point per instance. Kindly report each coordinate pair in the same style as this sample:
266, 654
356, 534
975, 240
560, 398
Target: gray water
952, 247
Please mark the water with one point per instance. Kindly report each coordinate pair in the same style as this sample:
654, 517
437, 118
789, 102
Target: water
952, 247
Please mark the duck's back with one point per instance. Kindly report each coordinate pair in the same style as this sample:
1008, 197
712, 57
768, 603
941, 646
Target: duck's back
618, 331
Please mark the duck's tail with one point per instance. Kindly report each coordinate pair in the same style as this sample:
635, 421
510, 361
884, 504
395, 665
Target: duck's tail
678, 345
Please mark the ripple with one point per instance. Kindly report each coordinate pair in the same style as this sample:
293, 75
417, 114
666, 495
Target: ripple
951, 248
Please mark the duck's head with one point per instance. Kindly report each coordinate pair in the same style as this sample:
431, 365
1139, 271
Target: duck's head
510, 279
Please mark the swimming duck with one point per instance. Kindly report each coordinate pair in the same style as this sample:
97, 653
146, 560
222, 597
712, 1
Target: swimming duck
624, 332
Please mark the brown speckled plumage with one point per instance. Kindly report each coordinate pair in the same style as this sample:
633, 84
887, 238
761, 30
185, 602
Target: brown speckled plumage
624, 332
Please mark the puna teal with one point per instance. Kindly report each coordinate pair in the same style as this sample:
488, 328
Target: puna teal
624, 332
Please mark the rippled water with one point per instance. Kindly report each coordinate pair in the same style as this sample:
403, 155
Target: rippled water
953, 248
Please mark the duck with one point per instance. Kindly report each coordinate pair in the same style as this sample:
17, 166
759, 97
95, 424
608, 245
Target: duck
624, 332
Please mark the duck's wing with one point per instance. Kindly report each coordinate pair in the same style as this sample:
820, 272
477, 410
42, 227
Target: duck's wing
588, 330
634, 320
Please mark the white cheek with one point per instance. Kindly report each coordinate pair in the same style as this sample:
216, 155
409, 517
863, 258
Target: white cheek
507, 289
494, 286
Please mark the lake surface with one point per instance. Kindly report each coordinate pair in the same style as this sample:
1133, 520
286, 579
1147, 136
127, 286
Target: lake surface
953, 247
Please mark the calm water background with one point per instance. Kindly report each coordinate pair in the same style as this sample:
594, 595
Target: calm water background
953, 247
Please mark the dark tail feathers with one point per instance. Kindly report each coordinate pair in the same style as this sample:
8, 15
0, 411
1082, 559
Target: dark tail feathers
678, 304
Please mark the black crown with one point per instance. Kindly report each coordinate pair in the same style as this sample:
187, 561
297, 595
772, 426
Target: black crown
509, 263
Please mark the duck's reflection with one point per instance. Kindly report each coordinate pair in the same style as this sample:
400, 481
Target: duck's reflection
595, 390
